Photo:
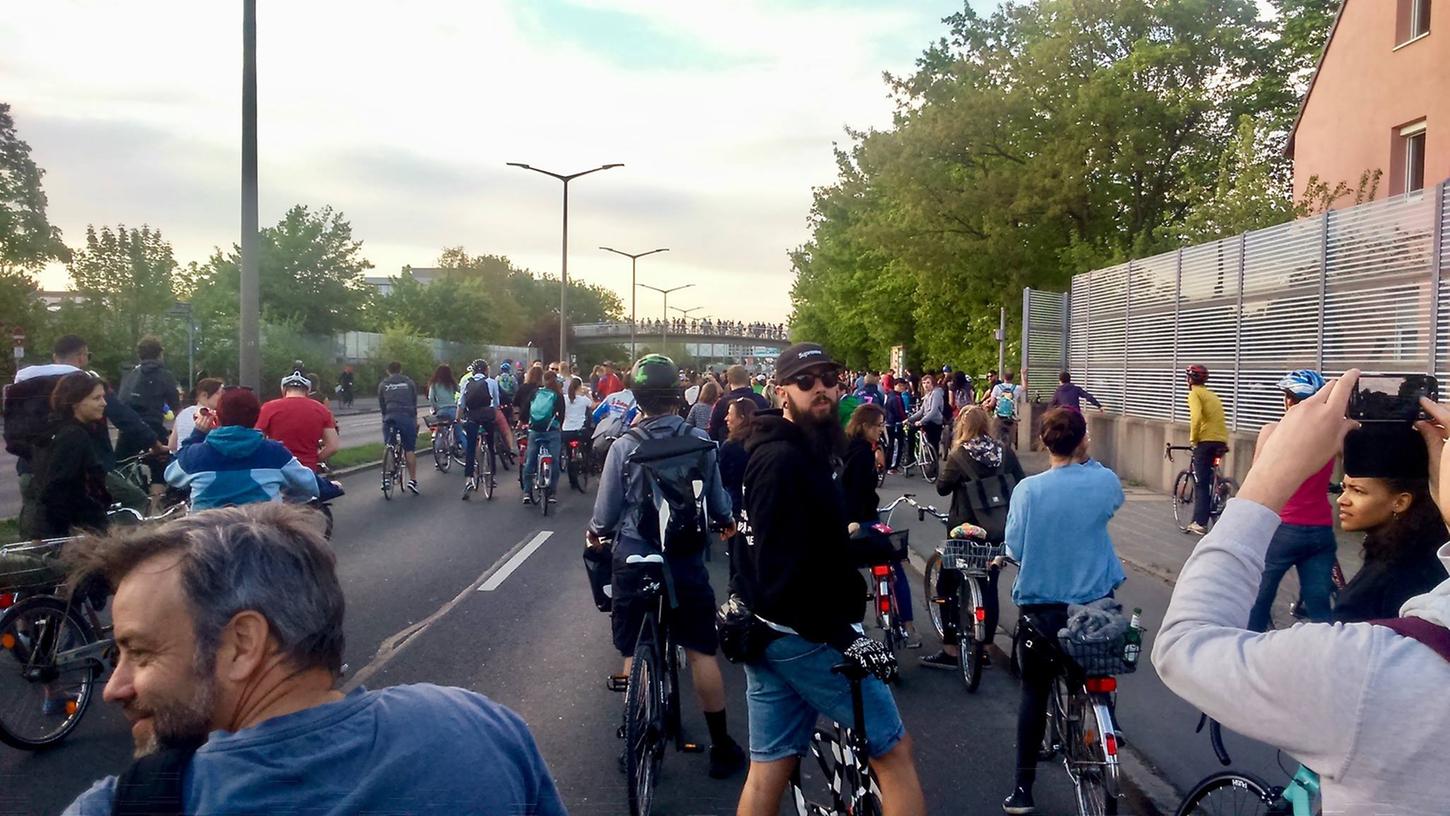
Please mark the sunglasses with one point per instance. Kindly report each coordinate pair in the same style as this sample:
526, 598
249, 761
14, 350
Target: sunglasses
807, 381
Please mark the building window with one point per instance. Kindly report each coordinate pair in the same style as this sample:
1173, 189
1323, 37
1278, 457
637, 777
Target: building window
1407, 159
1412, 20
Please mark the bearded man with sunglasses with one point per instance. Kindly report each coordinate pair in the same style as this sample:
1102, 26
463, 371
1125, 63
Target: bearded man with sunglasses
798, 574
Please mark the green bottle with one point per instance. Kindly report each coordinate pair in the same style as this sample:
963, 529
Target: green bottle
1133, 640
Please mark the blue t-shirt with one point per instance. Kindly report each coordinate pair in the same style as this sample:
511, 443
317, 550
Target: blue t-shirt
1057, 527
419, 749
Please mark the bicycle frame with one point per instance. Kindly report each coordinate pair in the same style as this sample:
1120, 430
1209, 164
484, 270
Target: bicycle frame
843, 757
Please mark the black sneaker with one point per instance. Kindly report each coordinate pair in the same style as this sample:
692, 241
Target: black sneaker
1019, 803
413, 486
940, 660
726, 760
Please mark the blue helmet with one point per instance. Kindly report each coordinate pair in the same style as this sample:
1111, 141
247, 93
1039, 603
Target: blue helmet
1301, 384
507, 366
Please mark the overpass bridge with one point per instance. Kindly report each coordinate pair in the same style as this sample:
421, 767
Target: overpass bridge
705, 340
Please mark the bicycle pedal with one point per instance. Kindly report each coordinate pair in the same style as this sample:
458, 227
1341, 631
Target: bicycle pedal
617, 682
692, 748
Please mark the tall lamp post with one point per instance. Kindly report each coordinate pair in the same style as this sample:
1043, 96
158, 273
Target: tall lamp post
564, 275
665, 312
250, 363
633, 267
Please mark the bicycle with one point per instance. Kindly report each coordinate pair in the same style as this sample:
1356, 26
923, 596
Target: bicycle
842, 755
137, 471
920, 454
579, 463
652, 690
539, 491
1081, 728
1239, 793
393, 464
1185, 485
444, 441
484, 464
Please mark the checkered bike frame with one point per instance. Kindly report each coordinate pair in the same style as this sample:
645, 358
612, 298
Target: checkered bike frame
843, 758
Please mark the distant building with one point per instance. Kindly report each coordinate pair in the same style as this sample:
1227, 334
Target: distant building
1378, 99
384, 284
55, 297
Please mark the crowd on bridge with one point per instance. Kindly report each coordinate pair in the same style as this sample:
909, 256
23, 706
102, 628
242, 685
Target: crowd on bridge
718, 328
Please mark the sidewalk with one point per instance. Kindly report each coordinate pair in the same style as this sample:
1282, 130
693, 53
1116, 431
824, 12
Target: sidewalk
1162, 754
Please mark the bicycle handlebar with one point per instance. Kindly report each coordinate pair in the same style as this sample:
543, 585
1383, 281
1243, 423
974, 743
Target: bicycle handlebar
922, 510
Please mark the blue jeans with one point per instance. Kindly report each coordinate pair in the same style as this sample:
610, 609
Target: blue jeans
1312, 550
466, 430
545, 439
787, 690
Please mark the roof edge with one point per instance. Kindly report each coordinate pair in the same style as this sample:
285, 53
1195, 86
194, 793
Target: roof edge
1304, 101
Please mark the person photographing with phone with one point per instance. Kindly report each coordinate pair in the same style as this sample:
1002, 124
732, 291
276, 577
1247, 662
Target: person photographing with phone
1354, 702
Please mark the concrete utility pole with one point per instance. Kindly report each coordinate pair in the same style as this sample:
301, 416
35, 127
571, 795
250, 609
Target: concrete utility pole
250, 364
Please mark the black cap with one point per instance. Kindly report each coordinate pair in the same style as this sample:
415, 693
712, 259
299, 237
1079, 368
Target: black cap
800, 357
1386, 451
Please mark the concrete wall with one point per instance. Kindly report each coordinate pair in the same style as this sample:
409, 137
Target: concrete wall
1133, 447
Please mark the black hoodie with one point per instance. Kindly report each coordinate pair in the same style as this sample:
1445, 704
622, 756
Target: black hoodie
798, 568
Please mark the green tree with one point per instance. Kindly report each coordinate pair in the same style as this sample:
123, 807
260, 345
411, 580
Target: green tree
403, 344
27, 239
126, 281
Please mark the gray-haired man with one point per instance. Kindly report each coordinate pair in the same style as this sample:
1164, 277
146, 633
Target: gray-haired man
229, 624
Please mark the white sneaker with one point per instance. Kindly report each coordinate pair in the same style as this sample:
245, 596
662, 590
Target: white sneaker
1197, 529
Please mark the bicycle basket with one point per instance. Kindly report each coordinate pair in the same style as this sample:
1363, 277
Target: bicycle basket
1098, 658
31, 566
967, 555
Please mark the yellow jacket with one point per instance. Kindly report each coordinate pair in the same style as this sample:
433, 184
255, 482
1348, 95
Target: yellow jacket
1205, 417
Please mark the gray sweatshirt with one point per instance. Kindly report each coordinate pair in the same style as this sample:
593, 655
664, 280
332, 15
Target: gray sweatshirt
1359, 704
623, 492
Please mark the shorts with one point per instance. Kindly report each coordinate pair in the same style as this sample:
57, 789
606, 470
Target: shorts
407, 427
787, 691
692, 621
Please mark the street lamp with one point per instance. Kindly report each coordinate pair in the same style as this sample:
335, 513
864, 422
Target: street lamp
633, 264
564, 275
665, 312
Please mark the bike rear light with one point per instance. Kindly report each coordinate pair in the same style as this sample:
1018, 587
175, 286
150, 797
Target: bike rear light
1218, 461
880, 571
7, 641
1110, 743
7, 599
573, 443
1102, 685
981, 614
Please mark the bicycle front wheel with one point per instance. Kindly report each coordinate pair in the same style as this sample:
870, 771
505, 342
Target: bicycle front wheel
927, 461
1183, 500
971, 652
43, 693
929, 584
644, 749
1230, 793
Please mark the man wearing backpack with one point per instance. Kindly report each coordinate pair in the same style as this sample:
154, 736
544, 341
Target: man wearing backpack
151, 391
657, 464
480, 412
27, 419
1003, 403
546, 420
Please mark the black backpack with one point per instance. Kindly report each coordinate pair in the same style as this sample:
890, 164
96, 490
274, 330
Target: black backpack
675, 517
478, 400
144, 389
27, 414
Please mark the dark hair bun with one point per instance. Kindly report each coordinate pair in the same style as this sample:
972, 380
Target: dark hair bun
1063, 430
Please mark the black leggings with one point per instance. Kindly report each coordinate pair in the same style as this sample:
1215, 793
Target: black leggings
1040, 659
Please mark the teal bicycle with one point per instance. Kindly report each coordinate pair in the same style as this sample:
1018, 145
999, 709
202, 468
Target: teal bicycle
1242, 794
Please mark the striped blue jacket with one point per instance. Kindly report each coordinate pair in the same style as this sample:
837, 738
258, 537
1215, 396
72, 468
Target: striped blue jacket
234, 465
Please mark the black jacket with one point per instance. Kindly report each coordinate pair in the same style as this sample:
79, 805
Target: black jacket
733, 459
858, 482
959, 478
70, 482
798, 568
28, 422
1382, 586
149, 388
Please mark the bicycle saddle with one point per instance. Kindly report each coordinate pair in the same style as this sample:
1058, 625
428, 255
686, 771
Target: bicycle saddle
653, 558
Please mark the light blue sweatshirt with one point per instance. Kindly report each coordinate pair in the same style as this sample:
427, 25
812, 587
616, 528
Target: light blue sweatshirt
1057, 527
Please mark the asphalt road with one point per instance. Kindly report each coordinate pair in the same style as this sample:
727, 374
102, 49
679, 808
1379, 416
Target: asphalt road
535, 643
355, 429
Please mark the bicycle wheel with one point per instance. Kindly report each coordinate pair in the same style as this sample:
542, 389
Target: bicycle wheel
970, 652
390, 470
1183, 500
643, 724
929, 585
545, 473
442, 441
927, 461
1223, 489
1093, 772
42, 694
486, 478
1230, 793
579, 466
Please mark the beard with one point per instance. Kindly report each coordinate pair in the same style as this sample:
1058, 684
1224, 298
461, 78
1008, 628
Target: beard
824, 434
178, 722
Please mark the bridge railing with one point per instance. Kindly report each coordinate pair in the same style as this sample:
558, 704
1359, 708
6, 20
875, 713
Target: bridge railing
775, 332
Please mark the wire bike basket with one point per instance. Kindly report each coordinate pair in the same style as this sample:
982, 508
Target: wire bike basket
1098, 658
971, 557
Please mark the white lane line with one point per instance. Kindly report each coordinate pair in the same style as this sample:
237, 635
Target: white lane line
514, 563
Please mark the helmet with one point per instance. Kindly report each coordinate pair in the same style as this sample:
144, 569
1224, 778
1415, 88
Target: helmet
1302, 383
478, 366
655, 374
506, 366
946, 369
296, 380
1197, 374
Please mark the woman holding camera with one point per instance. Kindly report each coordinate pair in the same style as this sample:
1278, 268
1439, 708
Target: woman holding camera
1057, 529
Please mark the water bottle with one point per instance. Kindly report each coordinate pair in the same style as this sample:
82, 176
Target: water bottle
1133, 640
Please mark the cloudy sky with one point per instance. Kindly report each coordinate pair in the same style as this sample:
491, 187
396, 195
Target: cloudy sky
402, 116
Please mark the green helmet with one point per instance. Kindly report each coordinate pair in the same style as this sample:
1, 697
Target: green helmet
655, 374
